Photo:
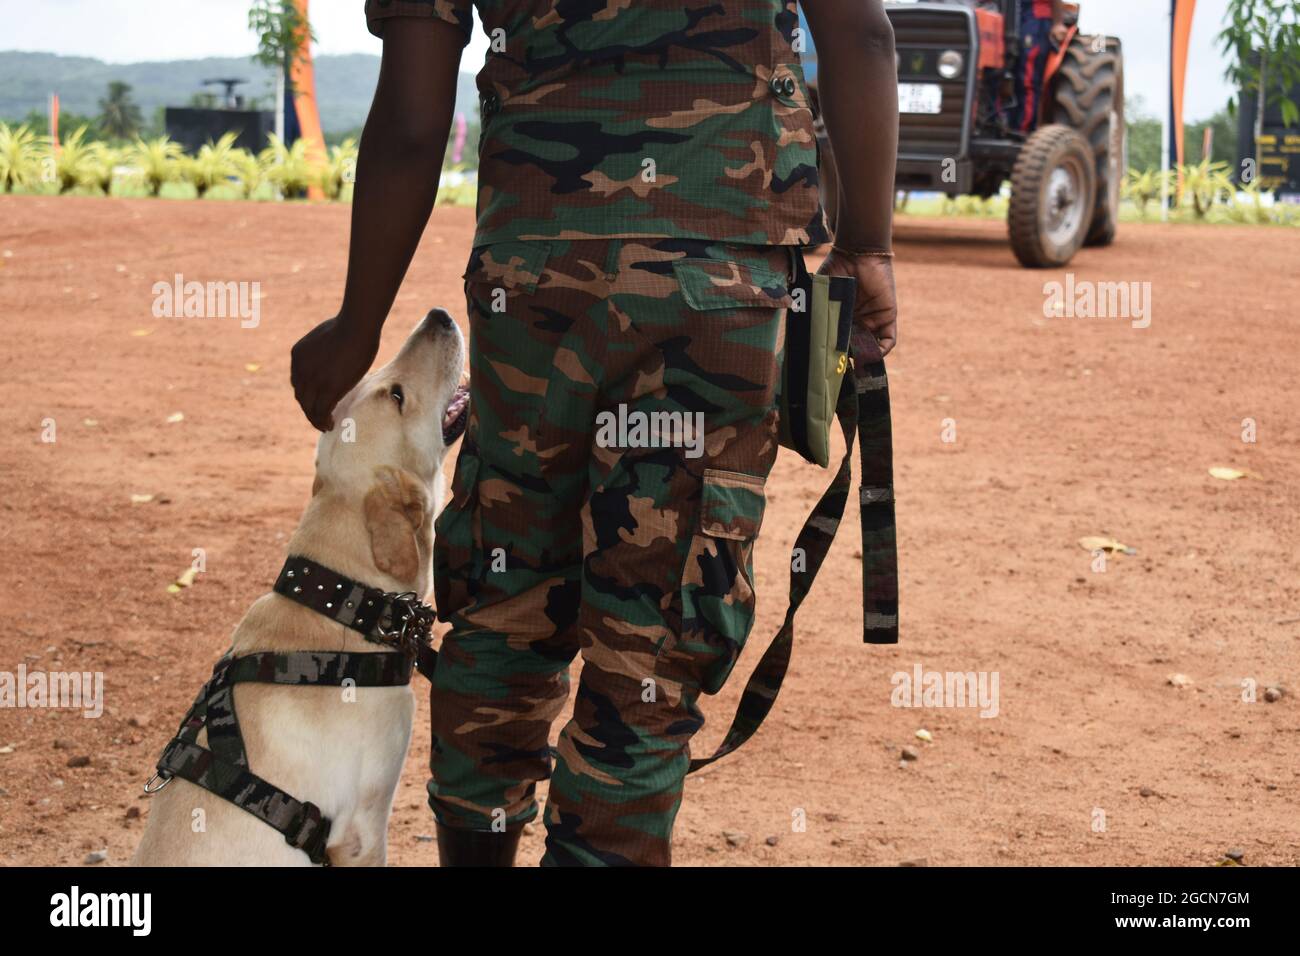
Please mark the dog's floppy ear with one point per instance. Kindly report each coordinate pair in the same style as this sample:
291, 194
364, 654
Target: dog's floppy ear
396, 510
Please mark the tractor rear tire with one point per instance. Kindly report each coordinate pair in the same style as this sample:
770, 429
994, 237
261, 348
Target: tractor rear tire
1088, 95
1053, 192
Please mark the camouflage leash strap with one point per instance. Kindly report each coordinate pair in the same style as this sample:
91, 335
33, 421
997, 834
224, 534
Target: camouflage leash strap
862, 409
222, 767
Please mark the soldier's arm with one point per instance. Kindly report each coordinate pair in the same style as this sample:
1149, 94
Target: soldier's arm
399, 163
858, 88
398, 168
857, 85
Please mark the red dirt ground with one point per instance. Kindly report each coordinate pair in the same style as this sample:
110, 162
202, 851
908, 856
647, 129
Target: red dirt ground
1064, 428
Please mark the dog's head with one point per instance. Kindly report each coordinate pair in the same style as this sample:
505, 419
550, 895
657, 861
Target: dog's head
390, 436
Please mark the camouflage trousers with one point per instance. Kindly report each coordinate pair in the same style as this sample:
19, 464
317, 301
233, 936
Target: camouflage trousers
605, 504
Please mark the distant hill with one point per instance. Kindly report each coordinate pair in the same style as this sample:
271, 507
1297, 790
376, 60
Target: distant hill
344, 84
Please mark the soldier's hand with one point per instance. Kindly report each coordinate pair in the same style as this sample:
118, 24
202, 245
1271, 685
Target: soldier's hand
1059, 30
327, 363
874, 305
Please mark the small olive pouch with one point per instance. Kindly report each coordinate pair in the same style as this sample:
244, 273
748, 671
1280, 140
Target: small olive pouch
817, 327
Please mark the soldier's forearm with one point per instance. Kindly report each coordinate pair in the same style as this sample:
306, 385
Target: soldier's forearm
399, 165
858, 91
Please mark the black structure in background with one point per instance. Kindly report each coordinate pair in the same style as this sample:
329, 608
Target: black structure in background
1279, 148
192, 126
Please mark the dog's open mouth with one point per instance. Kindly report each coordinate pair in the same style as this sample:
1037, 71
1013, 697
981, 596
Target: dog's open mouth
455, 418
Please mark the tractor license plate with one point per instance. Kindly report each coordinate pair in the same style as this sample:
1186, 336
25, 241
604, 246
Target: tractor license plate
920, 98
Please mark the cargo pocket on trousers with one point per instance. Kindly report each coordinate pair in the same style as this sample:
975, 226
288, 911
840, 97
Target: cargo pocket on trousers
511, 350
501, 271
729, 284
717, 590
457, 536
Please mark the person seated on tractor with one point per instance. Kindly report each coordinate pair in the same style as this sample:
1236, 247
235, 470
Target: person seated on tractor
1042, 26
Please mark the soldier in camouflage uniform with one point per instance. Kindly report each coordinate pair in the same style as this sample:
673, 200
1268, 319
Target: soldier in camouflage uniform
647, 170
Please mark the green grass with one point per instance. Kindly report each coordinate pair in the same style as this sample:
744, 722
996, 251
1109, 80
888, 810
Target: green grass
935, 207
124, 188
969, 207
963, 207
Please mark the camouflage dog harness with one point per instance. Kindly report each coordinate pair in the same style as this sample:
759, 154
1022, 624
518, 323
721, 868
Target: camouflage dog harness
399, 621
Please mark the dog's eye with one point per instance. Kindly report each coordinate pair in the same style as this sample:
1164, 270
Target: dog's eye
397, 395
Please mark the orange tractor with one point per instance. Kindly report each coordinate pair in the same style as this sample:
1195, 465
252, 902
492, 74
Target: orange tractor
956, 63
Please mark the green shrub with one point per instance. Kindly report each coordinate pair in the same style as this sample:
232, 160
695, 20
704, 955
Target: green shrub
213, 166
340, 169
77, 162
19, 157
157, 162
288, 167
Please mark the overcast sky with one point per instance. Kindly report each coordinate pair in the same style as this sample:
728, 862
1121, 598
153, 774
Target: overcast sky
124, 31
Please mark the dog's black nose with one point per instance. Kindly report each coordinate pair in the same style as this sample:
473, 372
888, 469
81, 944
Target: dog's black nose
438, 319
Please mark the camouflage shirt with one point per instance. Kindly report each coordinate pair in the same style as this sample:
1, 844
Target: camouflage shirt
639, 118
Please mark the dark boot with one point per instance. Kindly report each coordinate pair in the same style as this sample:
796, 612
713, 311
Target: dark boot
477, 847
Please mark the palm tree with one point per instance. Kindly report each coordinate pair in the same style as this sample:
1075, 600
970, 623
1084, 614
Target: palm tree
1248, 203
288, 166
282, 36
1207, 183
1261, 45
19, 156
248, 170
1143, 187
340, 168
213, 165
157, 162
103, 167
119, 115
76, 161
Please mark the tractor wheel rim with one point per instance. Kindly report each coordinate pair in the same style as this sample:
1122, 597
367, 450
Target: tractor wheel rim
1063, 205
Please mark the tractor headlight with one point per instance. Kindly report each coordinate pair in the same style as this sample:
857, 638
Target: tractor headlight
950, 64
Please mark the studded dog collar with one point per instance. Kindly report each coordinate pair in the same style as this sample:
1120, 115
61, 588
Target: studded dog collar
398, 620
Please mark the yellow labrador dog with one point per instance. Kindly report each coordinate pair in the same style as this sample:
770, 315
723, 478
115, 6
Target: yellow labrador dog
334, 747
